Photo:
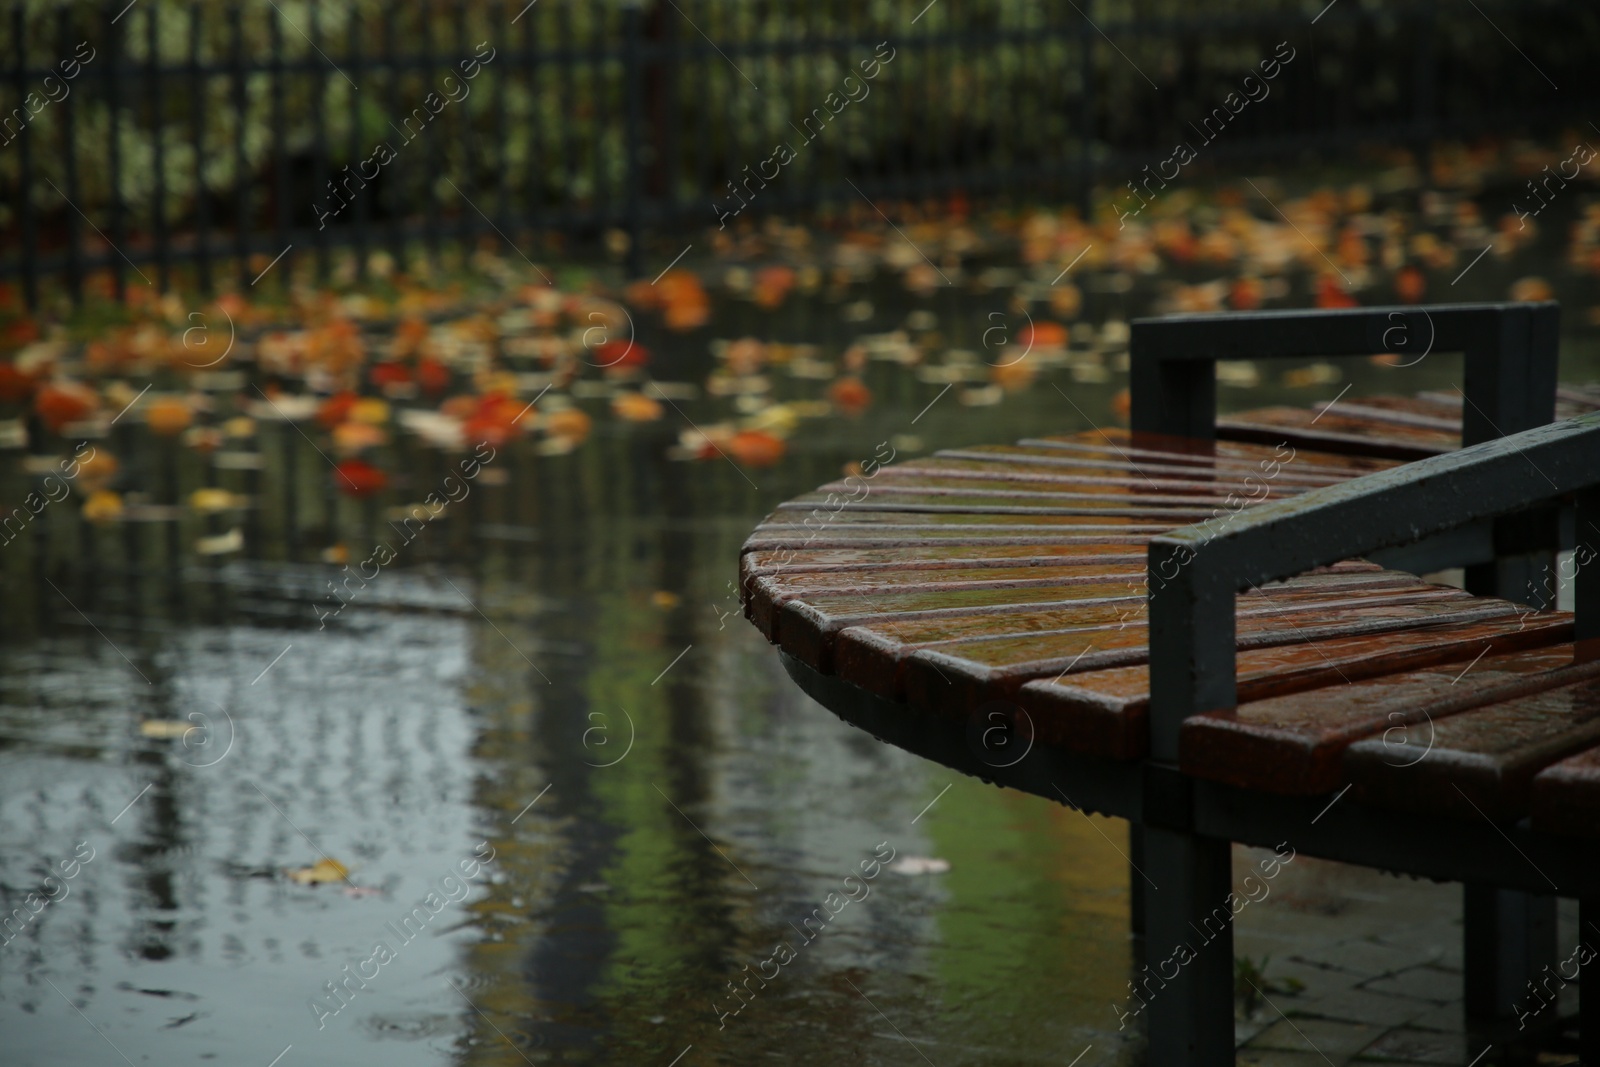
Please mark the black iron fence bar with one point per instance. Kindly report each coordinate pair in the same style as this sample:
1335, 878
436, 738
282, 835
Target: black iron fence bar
620, 163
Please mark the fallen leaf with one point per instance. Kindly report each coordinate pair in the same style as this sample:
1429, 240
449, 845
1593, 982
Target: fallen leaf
912, 865
324, 870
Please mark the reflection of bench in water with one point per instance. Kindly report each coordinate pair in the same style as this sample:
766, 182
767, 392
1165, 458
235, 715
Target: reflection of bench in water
1181, 631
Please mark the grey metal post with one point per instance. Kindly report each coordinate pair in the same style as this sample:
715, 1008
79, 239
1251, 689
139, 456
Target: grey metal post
1509, 356
1186, 983
1509, 938
1589, 982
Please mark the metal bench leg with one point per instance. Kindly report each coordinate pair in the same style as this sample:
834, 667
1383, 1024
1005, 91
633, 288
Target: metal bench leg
1589, 982
1510, 940
1510, 936
1136, 886
1186, 983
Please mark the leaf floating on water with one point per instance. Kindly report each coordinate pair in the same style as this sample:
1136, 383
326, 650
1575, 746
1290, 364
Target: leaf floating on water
165, 729
221, 544
911, 865
324, 870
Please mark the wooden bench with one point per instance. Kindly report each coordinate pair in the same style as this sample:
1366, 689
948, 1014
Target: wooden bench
1215, 630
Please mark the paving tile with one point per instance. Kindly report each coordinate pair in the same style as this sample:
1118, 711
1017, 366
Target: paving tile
1447, 1018
1360, 955
1439, 944
1339, 1041
1361, 1006
1279, 1058
1419, 983
1418, 1046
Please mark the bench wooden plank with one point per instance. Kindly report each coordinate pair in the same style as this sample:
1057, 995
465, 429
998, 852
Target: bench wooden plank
1051, 461
767, 594
1159, 506
1105, 713
1482, 762
1295, 744
1335, 432
1565, 796
895, 659
756, 562
916, 614
1220, 454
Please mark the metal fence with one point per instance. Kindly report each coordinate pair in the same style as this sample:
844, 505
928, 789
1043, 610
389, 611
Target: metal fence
158, 142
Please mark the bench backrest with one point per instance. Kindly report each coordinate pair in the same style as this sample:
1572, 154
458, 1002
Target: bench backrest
1509, 350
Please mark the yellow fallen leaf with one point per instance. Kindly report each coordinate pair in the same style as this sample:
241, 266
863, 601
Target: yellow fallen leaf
324, 870
165, 729
221, 544
102, 506
211, 499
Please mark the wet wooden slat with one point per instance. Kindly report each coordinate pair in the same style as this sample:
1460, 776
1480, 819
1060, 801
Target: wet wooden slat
950, 668
1331, 431
1143, 449
767, 594
1295, 744
1154, 506
1482, 762
1105, 713
755, 562
1565, 797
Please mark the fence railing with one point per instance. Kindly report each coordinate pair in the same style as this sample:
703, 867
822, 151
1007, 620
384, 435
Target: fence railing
155, 138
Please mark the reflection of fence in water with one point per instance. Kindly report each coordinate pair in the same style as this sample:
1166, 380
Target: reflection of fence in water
359, 735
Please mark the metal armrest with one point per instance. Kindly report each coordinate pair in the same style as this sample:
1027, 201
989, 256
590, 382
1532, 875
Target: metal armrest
1195, 572
1509, 350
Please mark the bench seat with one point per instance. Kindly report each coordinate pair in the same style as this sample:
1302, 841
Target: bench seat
998, 609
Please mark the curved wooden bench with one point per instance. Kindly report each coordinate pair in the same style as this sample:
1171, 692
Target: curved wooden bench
1180, 631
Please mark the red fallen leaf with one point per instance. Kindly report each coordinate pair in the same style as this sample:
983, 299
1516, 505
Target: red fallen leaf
1410, 285
1246, 294
15, 386
59, 404
358, 478
1329, 295
22, 331
619, 354
433, 376
1122, 403
336, 408
756, 448
1042, 334
410, 335
490, 431
389, 373
849, 395
495, 419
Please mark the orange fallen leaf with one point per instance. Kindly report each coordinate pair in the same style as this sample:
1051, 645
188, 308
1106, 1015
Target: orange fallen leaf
636, 407
570, 424
323, 871
849, 395
756, 448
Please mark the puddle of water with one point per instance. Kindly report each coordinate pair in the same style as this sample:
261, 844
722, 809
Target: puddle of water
678, 836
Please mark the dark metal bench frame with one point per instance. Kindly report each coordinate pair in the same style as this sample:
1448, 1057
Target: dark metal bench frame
1510, 355
1460, 508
